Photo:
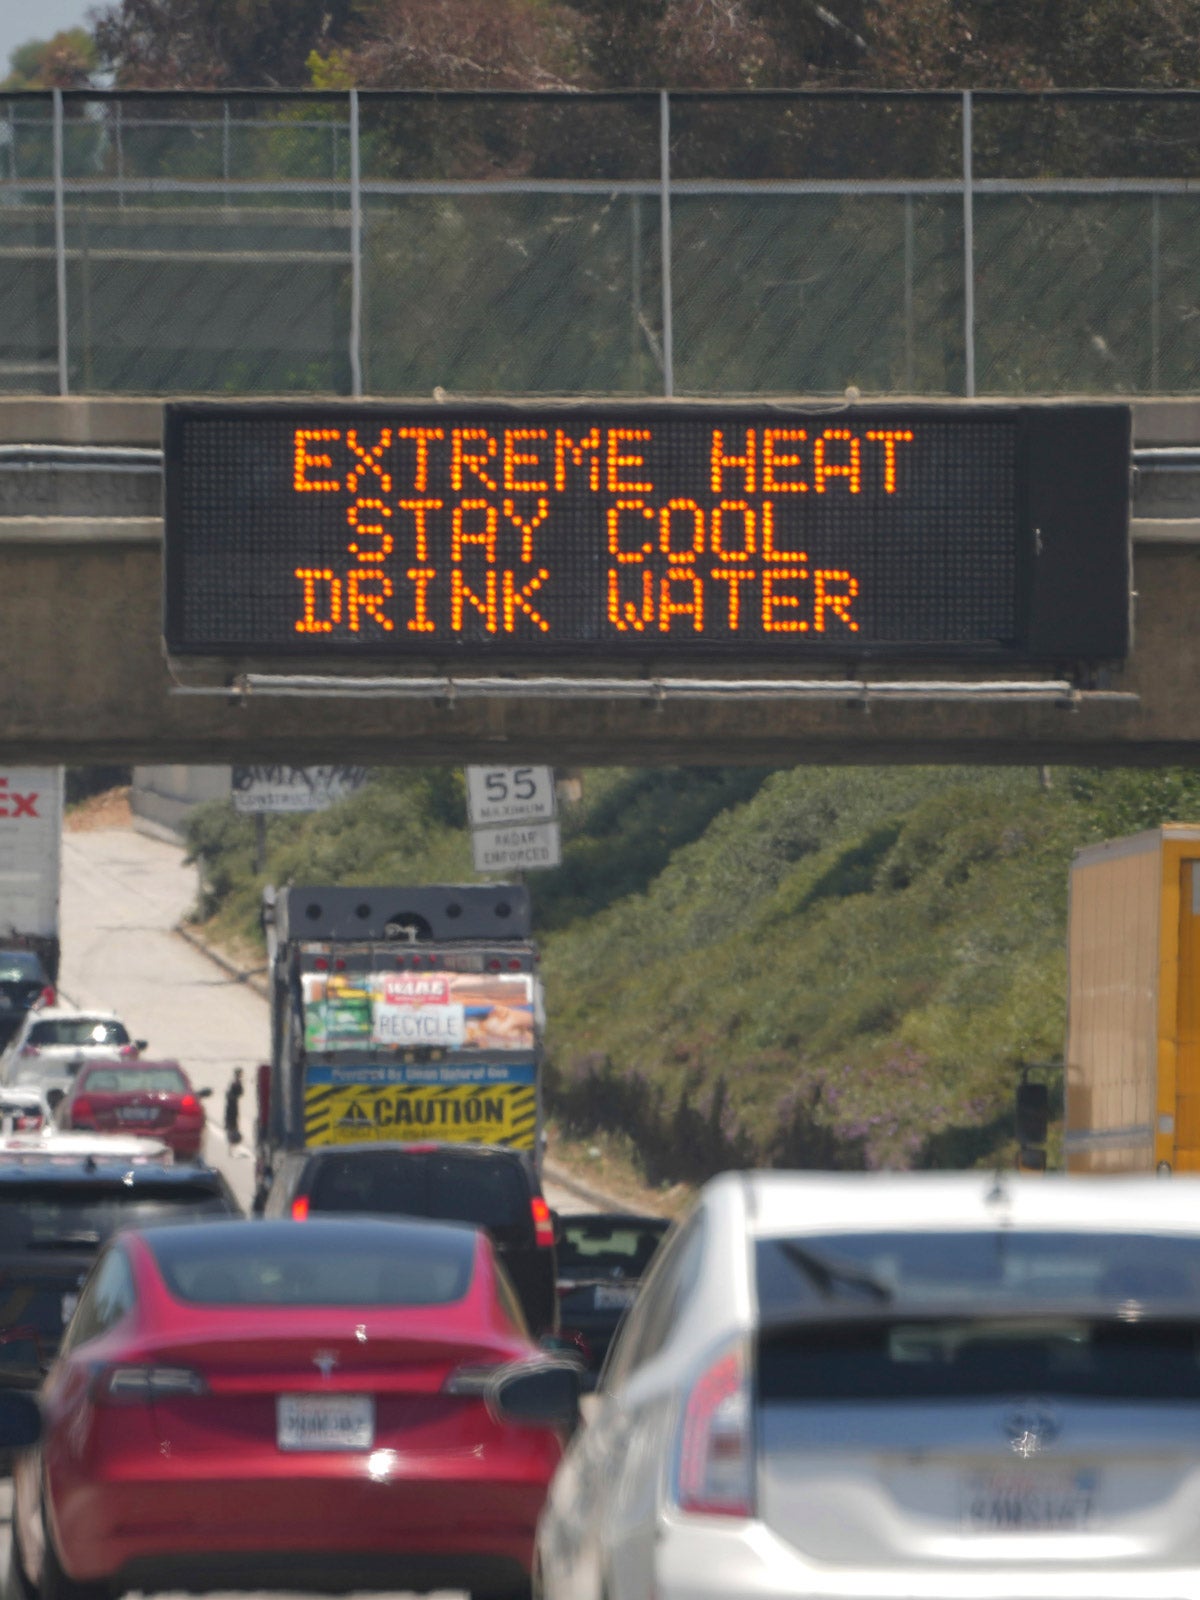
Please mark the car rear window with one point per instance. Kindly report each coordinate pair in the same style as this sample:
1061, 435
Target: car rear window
63, 1216
1004, 1266
133, 1080
214, 1268
964, 1360
606, 1249
21, 966
489, 1193
77, 1031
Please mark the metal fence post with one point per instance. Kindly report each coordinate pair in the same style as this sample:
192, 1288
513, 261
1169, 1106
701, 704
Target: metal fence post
60, 246
664, 179
968, 243
356, 381
910, 250
1155, 291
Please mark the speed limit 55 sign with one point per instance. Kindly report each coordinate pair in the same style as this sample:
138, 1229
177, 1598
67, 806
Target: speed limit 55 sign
509, 794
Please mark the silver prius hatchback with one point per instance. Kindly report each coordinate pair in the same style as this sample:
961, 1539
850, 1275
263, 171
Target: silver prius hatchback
938, 1386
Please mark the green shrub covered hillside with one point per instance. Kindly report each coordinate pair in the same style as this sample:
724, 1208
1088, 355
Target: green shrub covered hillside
826, 967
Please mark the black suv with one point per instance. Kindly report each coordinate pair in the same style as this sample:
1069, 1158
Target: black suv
493, 1188
55, 1213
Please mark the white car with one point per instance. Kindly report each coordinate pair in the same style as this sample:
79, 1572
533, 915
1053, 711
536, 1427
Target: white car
25, 1109
54, 1042
67, 1148
943, 1386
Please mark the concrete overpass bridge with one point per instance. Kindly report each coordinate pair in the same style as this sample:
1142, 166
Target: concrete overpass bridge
86, 677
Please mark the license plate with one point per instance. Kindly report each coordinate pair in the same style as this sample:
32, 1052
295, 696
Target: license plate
1029, 1500
137, 1114
614, 1297
325, 1421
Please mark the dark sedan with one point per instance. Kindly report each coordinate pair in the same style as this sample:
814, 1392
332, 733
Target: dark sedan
602, 1257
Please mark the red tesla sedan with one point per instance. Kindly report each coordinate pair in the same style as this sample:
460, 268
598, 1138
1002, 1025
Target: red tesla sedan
153, 1097
259, 1405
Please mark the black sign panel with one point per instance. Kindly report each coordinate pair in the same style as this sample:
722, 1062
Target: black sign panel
473, 533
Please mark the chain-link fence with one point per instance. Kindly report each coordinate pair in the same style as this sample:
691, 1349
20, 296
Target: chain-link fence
639, 243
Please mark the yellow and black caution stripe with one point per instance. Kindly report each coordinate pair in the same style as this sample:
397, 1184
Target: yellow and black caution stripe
497, 1113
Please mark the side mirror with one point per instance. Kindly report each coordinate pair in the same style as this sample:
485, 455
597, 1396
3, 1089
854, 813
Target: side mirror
542, 1396
20, 1419
203, 1094
139, 1044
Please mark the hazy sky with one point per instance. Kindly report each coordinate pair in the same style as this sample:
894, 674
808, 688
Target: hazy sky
36, 19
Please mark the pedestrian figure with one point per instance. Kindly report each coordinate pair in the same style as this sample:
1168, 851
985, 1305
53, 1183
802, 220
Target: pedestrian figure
233, 1100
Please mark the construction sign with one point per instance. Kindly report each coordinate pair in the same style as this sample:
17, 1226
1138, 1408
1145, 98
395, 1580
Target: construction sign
481, 1106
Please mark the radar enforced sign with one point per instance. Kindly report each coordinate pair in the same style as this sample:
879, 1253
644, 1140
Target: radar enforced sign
501, 1111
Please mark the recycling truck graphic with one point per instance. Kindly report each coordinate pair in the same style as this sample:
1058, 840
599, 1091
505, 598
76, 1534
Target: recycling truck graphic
400, 1013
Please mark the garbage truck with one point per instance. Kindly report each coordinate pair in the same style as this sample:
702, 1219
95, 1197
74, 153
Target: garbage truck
400, 1014
1132, 1061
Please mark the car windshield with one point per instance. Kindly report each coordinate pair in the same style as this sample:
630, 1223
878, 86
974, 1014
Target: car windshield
78, 1031
20, 966
213, 1267
1013, 1266
458, 1188
132, 1080
607, 1247
40, 1216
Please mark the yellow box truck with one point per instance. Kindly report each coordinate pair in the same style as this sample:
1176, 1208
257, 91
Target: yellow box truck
1133, 1004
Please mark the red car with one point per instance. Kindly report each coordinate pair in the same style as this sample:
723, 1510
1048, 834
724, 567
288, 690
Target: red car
351, 1404
151, 1097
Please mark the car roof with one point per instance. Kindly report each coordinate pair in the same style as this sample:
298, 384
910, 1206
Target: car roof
796, 1203
613, 1219
128, 1064
106, 1174
331, 1231
59, 1013
74, 1144
419, 1147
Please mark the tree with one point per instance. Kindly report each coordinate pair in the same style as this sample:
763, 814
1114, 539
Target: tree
65, 61
468, 44
219, 44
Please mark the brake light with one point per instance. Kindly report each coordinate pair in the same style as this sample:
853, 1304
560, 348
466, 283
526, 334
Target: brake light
300, 1208
189, 1103
82, 1110
47, 996
127, 1050
543, 1223
134, 1386
715, 1464
30, 1050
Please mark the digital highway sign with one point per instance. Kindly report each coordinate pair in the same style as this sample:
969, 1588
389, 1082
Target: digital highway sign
477, 533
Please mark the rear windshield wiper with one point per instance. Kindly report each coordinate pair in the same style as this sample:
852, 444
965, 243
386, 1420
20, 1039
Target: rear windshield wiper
828, 1274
